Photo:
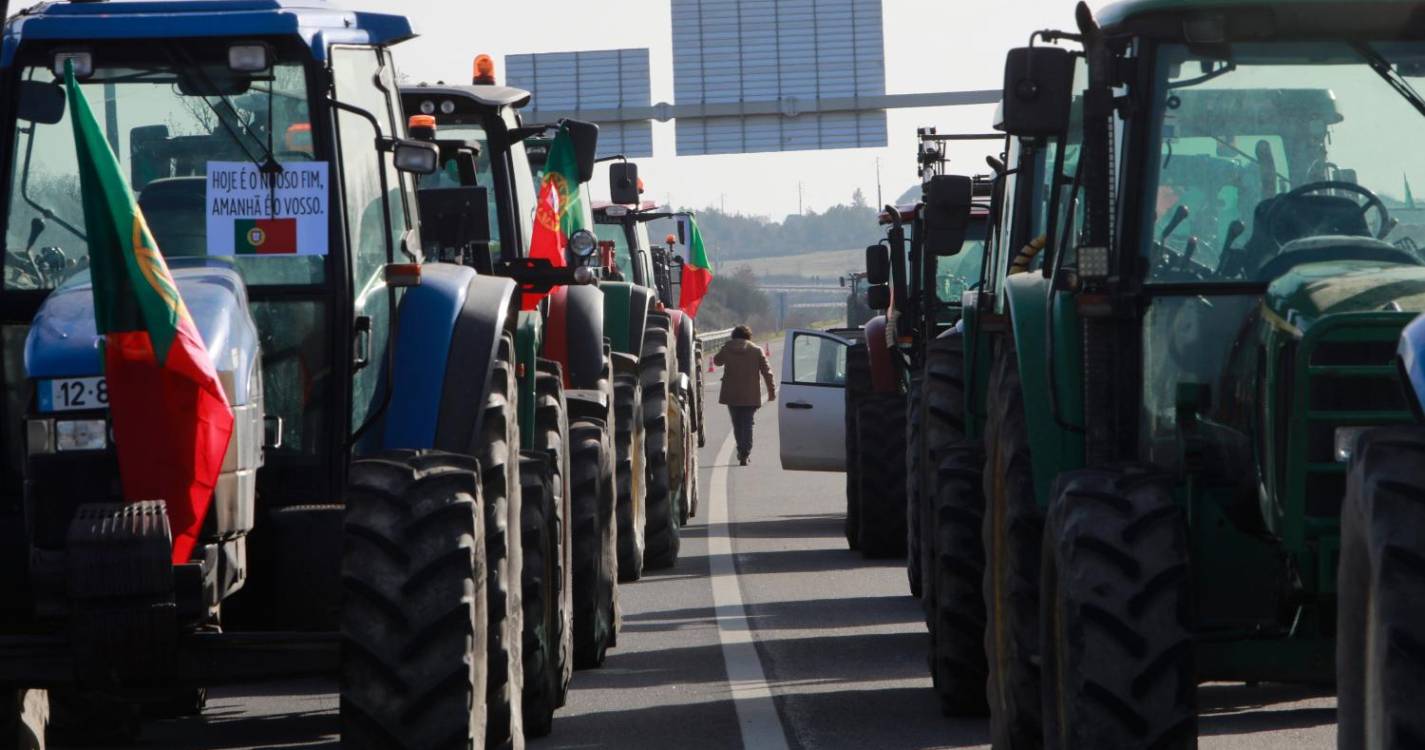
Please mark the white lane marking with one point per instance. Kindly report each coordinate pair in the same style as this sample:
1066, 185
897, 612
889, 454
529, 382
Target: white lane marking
751, 695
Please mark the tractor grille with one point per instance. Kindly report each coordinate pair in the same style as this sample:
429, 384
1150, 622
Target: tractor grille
1351, 380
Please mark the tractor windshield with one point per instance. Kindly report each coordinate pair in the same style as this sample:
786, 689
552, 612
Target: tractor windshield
956, 274
617, 234
168, 123
484, 174
1271, 155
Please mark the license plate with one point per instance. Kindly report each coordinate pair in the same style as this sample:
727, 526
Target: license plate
73, 394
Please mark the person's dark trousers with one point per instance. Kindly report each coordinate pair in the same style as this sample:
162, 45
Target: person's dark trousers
742, 417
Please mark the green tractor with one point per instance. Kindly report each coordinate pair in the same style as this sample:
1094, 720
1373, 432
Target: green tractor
1212, 322
664, 341
566, 383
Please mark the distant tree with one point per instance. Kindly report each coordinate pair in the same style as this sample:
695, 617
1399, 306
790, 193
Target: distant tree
858, 199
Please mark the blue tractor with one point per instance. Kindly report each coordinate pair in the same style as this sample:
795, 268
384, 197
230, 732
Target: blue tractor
367, 522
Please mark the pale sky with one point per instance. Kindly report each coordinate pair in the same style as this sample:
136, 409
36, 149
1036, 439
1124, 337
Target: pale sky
931, 45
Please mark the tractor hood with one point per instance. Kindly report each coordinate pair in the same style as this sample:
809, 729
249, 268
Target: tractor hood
64, 342
1310, 291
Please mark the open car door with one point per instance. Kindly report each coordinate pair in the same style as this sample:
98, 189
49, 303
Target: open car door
811, 404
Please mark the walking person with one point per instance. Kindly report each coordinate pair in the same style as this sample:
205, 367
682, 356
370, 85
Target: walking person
742, 362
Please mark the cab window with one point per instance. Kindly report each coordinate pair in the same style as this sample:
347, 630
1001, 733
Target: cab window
818, 360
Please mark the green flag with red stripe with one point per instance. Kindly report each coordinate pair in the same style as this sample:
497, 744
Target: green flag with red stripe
170, 417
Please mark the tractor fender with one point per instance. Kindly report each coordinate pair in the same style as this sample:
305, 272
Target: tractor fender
450, 328
1055, 445
574, 334
878, 349
626, 309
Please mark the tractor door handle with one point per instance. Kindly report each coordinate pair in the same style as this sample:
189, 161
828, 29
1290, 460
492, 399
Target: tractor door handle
798, 405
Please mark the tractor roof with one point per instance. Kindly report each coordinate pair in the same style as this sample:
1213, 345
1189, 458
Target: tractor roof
1259, 19
484, 95
316, 22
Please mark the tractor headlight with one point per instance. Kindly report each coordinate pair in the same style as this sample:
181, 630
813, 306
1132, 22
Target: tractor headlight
80, 435
1344, 443
583, 243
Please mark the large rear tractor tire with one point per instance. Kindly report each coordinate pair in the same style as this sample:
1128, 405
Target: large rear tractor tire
500, 481
413, 621
880, 435
1013, 537
858, 385
1380, 630
661, 532
595, 559
1114, 613
631, 478
956, 587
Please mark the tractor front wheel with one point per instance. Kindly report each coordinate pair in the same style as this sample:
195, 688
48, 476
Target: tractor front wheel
500, 481
1012, 536
1114, 612
917, 490
1380, 618
858, 384
880, 437
540, 593
595, 561
631, 479
413, 619
956, 584
661, 532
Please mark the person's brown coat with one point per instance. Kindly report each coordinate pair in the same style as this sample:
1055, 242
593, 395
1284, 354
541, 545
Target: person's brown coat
744, 361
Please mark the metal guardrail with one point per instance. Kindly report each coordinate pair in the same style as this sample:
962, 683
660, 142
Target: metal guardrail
713, 340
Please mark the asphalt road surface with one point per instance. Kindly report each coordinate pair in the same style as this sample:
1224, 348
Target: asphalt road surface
768, 633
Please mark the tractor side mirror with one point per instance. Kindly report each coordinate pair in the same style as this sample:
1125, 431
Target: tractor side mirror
878, 264
586, 146
1038, 88
878, 296
40, 102
623, 183
946, 213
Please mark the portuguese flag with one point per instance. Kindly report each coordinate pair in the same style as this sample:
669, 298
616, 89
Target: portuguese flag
171, 421
559, 212
265, 236
697, 273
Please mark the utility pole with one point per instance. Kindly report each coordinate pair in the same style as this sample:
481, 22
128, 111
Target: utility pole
723, 199
800, 212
